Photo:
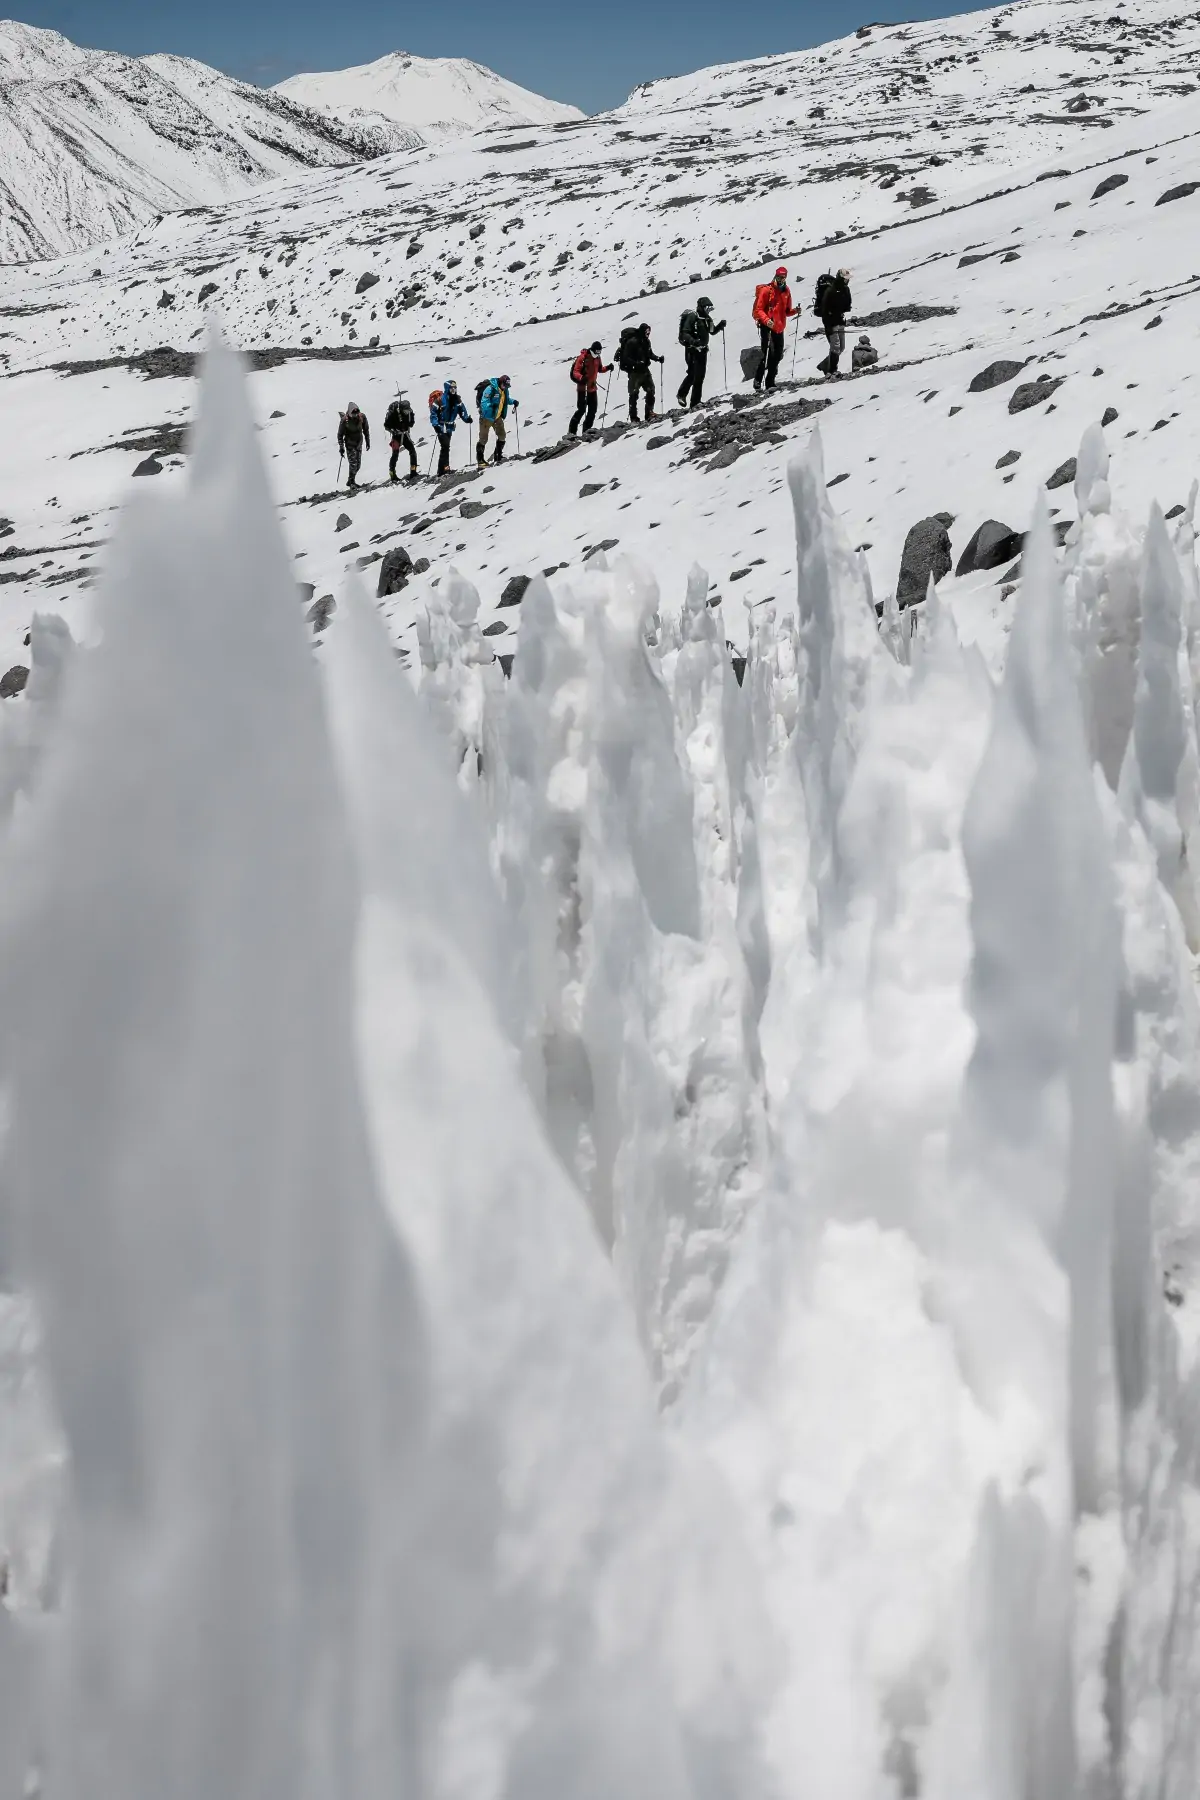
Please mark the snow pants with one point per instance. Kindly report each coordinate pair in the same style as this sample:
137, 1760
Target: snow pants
693, 381
446, 440
486, 426
354, 452
403, 442
837, 343
589, 399
641, 381
770, 359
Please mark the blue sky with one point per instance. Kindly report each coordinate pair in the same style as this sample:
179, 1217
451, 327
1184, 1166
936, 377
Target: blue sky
591, 54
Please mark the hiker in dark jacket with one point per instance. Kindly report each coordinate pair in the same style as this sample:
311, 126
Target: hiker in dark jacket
588, 366
695, 329
399, 421
445, 409
634, 356
833, 303
353, 433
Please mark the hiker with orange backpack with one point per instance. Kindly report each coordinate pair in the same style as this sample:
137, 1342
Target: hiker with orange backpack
445, 408
588, 366
772, 310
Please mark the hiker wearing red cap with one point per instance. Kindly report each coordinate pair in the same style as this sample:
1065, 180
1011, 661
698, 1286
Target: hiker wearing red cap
772, 310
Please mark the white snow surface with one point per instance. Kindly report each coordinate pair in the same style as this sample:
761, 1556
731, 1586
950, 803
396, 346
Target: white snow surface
639, 1207
431, 98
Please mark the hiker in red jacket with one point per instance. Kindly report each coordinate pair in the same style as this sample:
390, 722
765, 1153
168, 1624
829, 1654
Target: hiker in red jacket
772, 310
584, 370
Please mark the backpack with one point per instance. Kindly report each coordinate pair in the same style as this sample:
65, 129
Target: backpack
399, 418
435, 401
626, 348
479, 387
686, 322
824, 283
577, 369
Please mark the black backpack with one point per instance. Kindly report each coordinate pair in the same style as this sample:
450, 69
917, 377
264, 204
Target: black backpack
824, 283
479, 387
627, 349
399, 418
687, 322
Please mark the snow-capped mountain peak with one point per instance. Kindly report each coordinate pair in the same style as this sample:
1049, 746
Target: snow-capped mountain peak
439, 97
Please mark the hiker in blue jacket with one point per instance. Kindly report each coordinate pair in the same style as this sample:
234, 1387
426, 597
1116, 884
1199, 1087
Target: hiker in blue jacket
444, 411
495, 403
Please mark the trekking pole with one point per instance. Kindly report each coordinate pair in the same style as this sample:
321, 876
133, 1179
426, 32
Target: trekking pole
795, 347
724, 363
433, 452
604, 414
341, 460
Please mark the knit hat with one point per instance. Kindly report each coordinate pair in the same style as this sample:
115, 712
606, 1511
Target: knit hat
596, 348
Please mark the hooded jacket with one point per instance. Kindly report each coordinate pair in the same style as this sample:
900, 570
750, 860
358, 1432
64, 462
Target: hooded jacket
448, 410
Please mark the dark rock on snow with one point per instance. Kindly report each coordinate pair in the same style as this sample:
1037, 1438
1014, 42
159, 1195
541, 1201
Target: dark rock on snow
926, 553
1032, 393
1178, 193
473, 509
514, 590
1176, 512
366, 281
898, 315
343, 522
13, 683
750, 360
589, 488
1063, 475
1111, 415
321, 611
992, 545
1109, 184
995, 375
1008, 459
394, 572
206, 292
150, 466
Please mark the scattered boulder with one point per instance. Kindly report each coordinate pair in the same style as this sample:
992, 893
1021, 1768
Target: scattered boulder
1054, 175
589, 488
366, 281
899, 315
1176, 512
149, 466
995, 375
206, 292
476, 231
750, 360
1008, 459
1109, 185
1063, 475
415, 248
278, 415
1178, 193
1032, 393
926, 553
166, 299
548, 452
1151, 323
320, 612
394, 572
992, 545
514, 268
1111, 415
13, 683
495, 629
473, 509
662, 287
343, 522
514, 590
1011, 256
965, 262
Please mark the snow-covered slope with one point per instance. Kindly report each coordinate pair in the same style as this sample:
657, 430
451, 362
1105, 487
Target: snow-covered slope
426, 99
799, 995
93, 144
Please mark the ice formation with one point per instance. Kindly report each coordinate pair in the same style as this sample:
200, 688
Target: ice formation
611, 1233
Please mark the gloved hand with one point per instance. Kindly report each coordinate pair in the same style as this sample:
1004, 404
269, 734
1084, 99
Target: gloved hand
661, 359
719, 327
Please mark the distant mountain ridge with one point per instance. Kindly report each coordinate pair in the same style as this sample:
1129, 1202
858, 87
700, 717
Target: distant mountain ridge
94, 144
439, 98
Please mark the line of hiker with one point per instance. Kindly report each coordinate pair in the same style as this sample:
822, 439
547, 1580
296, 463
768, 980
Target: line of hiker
634, 357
